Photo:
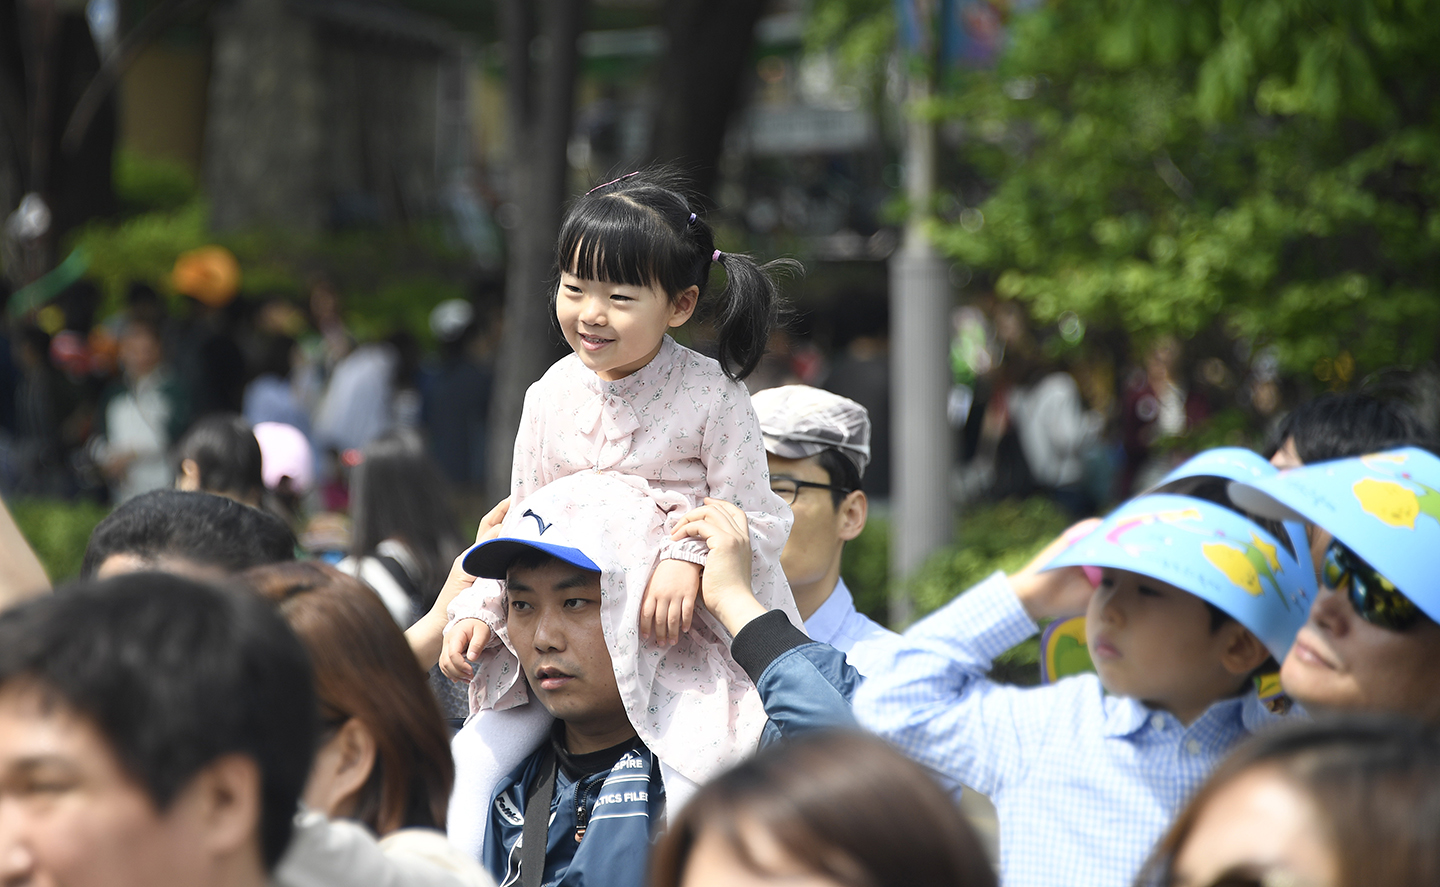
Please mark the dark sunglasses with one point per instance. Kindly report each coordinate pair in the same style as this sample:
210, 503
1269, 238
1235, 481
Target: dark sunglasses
1375, 598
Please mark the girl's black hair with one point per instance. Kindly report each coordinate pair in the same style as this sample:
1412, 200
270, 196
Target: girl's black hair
642, 230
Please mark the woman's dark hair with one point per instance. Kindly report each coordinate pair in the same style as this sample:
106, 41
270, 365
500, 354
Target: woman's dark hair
844, 805
642, 230
1335, 426
398, 493
1374, 782
364, 669
227, 454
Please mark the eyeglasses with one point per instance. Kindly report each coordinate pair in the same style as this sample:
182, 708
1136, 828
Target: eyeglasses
1375, 598
787, 488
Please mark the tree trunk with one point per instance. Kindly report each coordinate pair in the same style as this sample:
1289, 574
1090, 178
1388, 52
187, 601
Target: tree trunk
47, 58
702, 77
541, 105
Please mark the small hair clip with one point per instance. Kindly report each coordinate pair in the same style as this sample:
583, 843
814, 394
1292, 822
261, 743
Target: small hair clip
611, 182
715, 257
692, 219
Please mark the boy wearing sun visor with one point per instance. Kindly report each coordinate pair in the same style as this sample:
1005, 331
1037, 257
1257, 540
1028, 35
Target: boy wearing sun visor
1087, 773
1371, 640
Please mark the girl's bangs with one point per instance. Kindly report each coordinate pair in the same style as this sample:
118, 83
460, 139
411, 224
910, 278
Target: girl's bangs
610, 241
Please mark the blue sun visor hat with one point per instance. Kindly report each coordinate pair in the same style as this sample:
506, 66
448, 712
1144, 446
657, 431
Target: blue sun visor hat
1223, 468
1385, 507
1209, 551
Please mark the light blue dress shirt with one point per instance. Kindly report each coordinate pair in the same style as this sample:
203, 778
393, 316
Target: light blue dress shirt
1084, 783
865, 642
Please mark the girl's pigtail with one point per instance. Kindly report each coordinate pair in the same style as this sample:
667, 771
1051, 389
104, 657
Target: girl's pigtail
747, 311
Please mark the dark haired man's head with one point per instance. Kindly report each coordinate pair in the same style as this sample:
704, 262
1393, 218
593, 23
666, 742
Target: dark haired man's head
181, 532
221, 455
1334, 426
171, 723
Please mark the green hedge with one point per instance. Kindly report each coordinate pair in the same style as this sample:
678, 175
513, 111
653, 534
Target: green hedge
58, 531
1001, 536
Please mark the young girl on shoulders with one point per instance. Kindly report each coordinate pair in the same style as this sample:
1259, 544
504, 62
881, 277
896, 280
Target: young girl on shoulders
635, 260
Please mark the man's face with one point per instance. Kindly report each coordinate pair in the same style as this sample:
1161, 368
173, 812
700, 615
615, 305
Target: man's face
124, 562
69, 815
1341, 662
554, 625
820, 530
1152, 641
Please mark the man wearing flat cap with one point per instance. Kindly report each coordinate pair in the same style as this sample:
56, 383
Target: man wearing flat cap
818, 445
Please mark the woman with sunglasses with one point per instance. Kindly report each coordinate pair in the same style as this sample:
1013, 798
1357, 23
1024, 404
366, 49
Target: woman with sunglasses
1347, 802
1371, 642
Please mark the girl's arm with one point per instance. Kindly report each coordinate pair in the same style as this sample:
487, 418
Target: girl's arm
736, 469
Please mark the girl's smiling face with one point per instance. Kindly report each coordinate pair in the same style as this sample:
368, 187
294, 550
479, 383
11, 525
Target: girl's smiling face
617, 328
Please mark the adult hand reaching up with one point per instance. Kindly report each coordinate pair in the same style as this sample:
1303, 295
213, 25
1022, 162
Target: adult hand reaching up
725, 582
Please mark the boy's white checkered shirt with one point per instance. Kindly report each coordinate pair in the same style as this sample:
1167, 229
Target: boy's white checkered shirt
1084, 783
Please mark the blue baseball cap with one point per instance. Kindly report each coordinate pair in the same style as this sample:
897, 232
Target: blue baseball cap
1238, 465
1209, 551
1385, 507
544, 522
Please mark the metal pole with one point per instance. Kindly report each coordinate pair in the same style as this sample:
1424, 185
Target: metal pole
920, 303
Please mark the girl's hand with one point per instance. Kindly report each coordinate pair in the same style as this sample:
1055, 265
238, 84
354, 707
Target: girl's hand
462, 646
1057, 593
725, 582
669, 604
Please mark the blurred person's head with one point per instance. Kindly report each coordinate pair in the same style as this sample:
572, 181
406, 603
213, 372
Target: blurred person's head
817, 445
1334, 426
397, 492
827, 809
140, 350
1374, 523
143, 302
220, 455
197, 534
153, 730
1342, 803
384, 754
275, 356
1162, 360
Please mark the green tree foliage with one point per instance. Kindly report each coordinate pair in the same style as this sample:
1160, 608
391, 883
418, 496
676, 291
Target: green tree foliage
1273, 165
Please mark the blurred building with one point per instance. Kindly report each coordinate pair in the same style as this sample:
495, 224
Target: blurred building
312, 114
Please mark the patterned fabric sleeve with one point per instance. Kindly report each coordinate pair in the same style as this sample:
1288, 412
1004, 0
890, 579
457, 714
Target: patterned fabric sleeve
733, 453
